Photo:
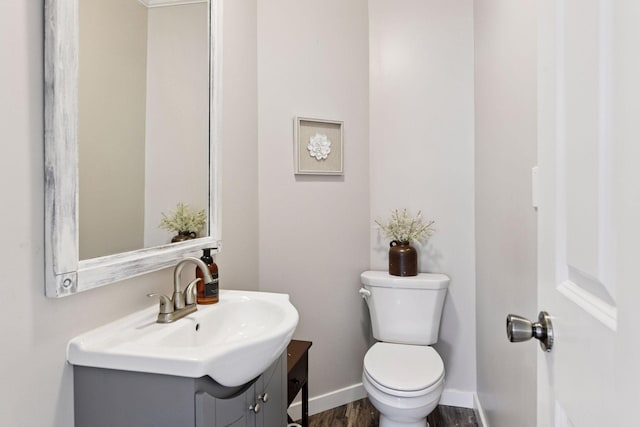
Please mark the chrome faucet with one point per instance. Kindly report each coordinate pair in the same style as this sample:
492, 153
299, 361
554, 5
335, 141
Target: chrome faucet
181, 303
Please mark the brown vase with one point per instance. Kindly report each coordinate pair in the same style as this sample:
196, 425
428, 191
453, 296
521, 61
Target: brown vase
403, 259
183, 235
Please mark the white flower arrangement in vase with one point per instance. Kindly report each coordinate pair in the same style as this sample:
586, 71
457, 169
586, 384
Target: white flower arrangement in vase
184, 221
403, 227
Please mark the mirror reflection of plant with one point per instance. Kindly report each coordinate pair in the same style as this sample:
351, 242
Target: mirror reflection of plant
402, 227
184, 219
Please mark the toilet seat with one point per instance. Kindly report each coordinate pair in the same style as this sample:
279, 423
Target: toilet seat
403, 370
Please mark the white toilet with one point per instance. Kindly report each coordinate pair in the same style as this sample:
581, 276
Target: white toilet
403, 376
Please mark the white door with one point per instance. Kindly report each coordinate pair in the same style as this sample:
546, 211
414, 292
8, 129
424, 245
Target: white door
589, 213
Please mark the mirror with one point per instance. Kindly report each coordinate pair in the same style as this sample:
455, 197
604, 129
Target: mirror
131, 131
143, 128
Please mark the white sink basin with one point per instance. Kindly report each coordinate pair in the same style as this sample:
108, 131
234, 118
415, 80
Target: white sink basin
232, 341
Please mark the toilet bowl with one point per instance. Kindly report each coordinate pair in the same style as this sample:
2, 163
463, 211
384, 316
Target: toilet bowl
403, 376
403, 382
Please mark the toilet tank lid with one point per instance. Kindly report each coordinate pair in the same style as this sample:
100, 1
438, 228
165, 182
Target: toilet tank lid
421, 281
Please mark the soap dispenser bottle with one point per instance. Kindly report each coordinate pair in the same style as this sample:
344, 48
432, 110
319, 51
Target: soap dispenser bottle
207, 293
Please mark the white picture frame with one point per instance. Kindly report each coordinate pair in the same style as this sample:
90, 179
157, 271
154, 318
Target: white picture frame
318, 146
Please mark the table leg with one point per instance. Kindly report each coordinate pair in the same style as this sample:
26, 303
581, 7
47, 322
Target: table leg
305, 405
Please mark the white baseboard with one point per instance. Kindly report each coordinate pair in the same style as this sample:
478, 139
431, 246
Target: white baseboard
453, 397
324, 402
477, 408
329, 400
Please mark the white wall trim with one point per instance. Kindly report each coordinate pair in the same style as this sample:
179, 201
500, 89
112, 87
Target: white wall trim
460, 398
329, 400
162, 3
481, 418
333, 399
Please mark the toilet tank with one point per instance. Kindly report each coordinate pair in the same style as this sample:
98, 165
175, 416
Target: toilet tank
405, 310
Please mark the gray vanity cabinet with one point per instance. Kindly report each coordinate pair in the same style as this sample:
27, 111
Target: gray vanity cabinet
262, 405
108, 398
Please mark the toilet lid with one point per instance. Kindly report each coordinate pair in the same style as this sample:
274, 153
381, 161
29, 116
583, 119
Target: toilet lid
403, 367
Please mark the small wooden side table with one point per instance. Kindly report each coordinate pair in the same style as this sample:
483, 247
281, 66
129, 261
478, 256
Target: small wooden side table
297, 375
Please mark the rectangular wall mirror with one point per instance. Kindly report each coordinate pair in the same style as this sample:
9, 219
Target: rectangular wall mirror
132, 114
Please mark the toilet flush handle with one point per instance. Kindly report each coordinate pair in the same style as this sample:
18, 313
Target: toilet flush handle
364, 293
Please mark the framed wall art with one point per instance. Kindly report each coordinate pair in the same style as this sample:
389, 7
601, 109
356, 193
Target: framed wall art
318, 146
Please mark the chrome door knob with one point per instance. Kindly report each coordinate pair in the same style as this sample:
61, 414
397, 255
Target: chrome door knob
521, 329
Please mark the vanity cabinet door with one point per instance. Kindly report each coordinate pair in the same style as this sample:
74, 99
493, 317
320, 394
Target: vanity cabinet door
234, 412
267, 394
272, 384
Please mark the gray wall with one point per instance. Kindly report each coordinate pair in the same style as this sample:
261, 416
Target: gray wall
505, 88
314, 231
319, 268
421, 144
111, 126
37, 382
239, 259
177, 149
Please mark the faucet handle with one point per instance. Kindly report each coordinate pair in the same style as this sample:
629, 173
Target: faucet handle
166, 306
190, 292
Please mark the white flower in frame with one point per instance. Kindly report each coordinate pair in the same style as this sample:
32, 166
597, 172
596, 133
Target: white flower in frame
319, 146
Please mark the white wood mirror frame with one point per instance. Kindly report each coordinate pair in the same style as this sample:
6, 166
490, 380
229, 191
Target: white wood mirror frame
66, 274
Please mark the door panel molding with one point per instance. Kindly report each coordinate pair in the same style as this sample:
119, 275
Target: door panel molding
584, 254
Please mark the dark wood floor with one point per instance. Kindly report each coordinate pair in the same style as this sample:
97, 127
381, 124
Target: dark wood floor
362, 414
